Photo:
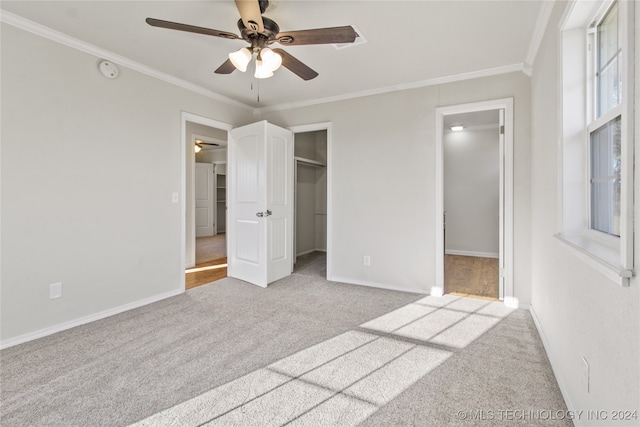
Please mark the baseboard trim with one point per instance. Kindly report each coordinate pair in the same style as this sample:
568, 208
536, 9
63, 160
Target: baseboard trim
310, 251
472, 253
554, 367
379, 285
86, 319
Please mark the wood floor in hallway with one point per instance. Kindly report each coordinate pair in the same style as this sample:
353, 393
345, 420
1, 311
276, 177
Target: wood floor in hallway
471, 276
211, 261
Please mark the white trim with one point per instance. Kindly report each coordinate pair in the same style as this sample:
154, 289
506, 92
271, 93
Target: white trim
72, 42
505, 104
59, 37
312, 127
546, 7
396, 88
87, 319
612, 257
379, 285
472, 253
310, 251
555, 367
600, 257
193, 118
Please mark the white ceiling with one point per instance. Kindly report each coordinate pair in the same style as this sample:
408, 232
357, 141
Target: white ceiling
409, 43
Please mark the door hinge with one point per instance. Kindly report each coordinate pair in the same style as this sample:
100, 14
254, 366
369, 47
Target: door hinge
502, 130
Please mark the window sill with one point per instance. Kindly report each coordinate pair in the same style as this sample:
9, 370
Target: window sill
600, 256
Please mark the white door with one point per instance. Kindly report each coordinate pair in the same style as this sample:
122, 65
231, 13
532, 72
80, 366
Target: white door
204, 199
260, 203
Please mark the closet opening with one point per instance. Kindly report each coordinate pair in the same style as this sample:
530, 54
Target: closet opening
310, 192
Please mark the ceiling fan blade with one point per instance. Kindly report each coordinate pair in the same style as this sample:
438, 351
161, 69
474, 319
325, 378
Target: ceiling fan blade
190, 28
227, 67
297, 67
250, 14
344, 34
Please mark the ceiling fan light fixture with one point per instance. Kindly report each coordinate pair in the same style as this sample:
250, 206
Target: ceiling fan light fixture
270, 59
240, 59
262, 71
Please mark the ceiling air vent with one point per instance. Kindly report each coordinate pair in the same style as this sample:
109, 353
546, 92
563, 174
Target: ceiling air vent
359, 40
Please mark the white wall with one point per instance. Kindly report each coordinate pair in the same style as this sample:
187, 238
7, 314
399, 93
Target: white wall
472, 191
580, 312
382, 165
89, 165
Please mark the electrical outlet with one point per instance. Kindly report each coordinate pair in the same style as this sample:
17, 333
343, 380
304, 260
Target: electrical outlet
585, 375
55, 290
367, 260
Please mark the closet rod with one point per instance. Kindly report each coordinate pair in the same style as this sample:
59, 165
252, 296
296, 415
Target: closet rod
310, 162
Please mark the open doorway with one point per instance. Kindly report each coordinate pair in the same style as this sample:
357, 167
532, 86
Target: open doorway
205, 200
504, 107
471, 166
312, 201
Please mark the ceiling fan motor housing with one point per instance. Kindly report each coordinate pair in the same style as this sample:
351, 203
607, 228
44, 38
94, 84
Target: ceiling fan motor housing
259, 40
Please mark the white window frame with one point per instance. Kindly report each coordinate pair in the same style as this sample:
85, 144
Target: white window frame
593, 121
611, 255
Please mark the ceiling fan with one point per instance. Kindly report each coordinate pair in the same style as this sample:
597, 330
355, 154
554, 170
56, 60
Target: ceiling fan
261, 32
198, 145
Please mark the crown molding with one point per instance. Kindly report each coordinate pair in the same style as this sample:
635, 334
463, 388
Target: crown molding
64, 39
544, 14
396, 88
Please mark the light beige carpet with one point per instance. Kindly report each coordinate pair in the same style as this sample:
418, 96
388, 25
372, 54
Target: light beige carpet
304, 351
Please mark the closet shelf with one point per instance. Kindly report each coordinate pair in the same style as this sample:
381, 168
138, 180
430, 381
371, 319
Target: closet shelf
310, 162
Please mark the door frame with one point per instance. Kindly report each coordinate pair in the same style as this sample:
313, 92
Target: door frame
506, 272
188, 157
312, 127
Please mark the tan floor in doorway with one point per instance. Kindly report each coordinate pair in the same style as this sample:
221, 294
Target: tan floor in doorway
471, 276
211, 248
211, 261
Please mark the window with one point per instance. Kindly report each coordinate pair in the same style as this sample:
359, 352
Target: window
605, 139
605, 178
608, 52
596, 145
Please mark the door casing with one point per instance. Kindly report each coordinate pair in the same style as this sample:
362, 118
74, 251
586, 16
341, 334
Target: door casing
188, 157
506, 184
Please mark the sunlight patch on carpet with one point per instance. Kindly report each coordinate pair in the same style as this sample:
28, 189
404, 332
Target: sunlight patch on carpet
347, 378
